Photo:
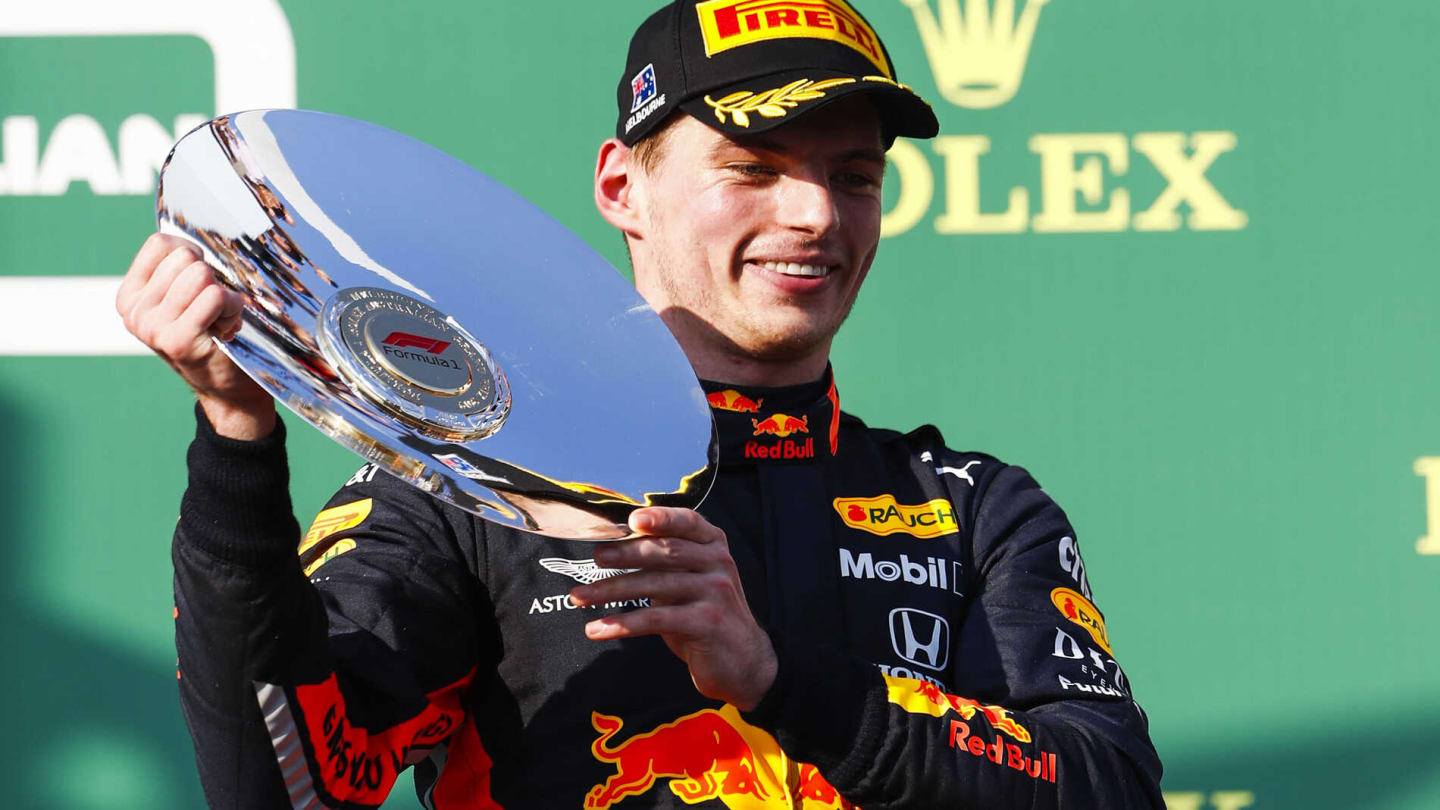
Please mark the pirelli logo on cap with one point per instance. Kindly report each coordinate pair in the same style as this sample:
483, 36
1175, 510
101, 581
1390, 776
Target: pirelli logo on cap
727, 24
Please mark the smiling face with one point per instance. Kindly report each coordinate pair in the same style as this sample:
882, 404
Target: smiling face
753, 248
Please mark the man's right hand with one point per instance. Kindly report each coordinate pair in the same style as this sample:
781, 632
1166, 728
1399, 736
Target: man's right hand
171, 301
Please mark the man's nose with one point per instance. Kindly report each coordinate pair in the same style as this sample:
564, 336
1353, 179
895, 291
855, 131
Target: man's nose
808, 204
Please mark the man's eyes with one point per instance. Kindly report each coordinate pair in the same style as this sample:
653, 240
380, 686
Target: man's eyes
846, 178
752, 169
856, 180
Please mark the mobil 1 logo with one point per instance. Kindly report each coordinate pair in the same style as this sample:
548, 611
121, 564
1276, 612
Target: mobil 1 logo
925, 571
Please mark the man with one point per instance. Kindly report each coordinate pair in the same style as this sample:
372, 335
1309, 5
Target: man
854, 617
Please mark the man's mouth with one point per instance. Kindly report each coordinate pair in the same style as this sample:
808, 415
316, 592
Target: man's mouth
797, 269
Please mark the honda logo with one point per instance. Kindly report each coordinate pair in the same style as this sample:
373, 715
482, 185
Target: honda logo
920, 638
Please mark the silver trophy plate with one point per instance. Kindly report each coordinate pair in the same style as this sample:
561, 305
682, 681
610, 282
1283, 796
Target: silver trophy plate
440, 325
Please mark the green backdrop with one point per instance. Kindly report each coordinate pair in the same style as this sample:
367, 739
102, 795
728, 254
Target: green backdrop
1207, 329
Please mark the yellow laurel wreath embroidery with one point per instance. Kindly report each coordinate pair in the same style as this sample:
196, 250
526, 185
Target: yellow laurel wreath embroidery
770, 103
887, 80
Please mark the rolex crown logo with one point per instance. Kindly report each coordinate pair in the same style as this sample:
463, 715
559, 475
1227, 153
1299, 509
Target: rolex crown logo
978, 55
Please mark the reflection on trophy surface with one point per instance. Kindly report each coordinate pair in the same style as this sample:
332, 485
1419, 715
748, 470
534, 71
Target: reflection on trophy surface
438, 324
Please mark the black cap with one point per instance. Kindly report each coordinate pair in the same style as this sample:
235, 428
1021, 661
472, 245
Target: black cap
751, 65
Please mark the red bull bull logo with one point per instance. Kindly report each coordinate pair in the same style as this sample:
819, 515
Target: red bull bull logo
732, 400
701, 754
709, 754
781, 425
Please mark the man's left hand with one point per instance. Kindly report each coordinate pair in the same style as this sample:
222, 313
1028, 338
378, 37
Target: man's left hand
697, 604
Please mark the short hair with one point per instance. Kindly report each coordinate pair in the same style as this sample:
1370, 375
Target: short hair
650, 150
647, 154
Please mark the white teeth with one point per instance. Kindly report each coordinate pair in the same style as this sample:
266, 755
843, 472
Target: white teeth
796, 269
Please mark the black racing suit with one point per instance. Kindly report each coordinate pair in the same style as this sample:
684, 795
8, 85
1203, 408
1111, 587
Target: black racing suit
937, 639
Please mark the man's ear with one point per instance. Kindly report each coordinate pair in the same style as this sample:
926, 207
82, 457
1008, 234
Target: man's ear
615, 196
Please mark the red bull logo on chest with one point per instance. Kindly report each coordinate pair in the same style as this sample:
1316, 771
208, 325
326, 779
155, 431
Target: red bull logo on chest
701, 754
709, 754
732, 400
782, 426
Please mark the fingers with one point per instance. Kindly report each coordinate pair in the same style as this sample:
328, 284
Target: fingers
214, 310
664, 553
171, 301
179, 325
136, 303
229, 321
683, 621
661, 588
153, 293
142, 267
191, 280
673, 521
693, 600
673, 568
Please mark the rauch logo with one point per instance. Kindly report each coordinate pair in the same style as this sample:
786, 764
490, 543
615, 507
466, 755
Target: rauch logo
882, 515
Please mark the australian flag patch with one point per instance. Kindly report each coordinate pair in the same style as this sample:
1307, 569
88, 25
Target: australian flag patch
642, 87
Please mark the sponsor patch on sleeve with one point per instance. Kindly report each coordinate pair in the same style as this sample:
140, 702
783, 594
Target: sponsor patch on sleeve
923, 697
1019, 752
1079, 610
314, 550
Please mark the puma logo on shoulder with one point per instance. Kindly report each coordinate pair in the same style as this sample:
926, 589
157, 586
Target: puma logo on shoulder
959, 472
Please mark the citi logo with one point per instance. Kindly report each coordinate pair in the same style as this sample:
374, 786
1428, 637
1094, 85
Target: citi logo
401, 340
978, 55
920, 638
931, 573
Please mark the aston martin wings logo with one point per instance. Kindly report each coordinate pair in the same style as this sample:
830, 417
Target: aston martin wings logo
977, 55
582, 571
